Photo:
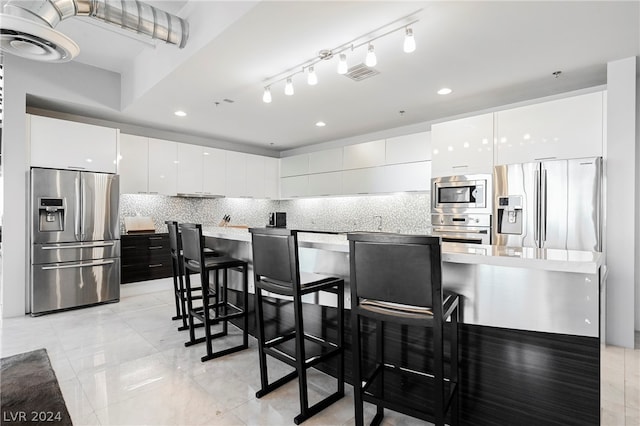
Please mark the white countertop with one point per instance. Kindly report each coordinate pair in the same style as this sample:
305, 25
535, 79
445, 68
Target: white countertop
585, 262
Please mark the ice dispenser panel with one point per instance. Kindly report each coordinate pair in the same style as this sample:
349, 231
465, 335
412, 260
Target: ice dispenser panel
51, 214
510, 215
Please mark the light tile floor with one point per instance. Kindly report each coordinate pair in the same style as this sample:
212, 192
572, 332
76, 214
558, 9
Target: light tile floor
126, 364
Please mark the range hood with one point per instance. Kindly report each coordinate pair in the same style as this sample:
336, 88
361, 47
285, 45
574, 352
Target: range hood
28, 26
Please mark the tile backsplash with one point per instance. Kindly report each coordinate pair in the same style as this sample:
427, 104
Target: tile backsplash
404, 212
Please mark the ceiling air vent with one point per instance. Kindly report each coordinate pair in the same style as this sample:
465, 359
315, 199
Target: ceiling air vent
361, 72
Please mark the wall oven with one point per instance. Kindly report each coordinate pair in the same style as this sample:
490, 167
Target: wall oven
461, 194
470, 229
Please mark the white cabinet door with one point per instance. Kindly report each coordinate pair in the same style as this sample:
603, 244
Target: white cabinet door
190, 169
368, 154
214, 171
65, 144
163, 167
406, 177
294, 186
294, 166
133, 166
363, 181
559, 129
462, 146
255, 176
408, 148
325, 184
329, 160
271, 177
236, 175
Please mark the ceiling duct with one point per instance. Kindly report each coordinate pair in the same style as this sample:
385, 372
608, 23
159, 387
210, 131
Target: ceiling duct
27, 28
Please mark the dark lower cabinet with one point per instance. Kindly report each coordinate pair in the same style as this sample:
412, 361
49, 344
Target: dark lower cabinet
144, 257
508, 377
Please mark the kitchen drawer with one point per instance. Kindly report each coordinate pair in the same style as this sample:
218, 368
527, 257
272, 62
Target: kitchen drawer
145, 257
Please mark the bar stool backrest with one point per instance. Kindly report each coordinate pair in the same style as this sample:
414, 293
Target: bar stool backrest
174, 238
191, 243
403, 269
275, 255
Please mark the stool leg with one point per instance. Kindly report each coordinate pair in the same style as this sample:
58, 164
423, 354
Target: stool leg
177, 295
357, 365
438, 372
261, 342
300, 360
340, 292
183, 295
245, 296
223, 301
380, 364
204, 278
192, 332
455, 373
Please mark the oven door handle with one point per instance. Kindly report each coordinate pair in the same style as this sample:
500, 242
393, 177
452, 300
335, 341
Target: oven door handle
449, 231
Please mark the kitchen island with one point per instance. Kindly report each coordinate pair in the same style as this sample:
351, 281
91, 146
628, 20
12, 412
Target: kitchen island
530, 332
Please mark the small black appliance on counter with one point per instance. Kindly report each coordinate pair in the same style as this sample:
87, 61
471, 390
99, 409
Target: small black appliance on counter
277, 220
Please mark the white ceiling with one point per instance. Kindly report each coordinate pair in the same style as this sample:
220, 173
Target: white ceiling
489, 53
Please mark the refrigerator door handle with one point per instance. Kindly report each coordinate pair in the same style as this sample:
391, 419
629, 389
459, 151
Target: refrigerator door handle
543, 208
536, 203
75, 246
77, 208
78, 265
84, 209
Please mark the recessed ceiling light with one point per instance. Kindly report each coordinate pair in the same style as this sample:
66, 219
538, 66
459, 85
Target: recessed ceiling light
321, 124
180, 113
444, 91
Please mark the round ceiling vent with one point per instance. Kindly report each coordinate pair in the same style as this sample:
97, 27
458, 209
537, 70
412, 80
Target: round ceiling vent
22, 37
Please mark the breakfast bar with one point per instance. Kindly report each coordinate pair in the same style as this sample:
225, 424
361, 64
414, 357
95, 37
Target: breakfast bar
530, 333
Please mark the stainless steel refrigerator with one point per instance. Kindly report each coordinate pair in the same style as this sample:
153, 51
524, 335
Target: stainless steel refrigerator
75, 236
549, 204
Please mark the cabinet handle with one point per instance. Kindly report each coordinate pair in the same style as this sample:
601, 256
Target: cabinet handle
155, 238
156, 248
143, 192
156, 265
545, 158
459, 167
153, 192
76, 167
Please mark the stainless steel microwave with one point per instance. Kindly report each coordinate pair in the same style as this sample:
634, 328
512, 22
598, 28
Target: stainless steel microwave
461, 194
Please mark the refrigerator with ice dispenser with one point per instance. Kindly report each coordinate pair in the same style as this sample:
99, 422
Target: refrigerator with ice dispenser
75, 239
552, 204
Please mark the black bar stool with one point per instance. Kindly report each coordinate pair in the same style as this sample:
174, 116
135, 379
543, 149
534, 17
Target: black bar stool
276, 270
177, 265
398, 279
221, 310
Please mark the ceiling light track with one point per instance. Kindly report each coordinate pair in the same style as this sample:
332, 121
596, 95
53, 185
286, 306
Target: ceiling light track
308, 67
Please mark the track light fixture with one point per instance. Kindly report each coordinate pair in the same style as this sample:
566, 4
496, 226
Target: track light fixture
371, 59
266, 97
409, 41
342, 64
309, 66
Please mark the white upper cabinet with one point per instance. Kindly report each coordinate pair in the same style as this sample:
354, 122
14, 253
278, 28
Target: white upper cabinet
325, 184
564, 128
65, 144
190, 169
408, 148
236, 174
463, 146
368, 154
363, 181
214, 171
294, 166
406, 177
271, 177
163, 167
294, 186
134, 164
329, 160
255, 176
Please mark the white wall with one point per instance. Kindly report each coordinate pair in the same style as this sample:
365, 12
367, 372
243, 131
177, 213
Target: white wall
621, 193
70, 83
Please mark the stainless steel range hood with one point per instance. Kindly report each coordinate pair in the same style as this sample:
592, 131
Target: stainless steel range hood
28, 25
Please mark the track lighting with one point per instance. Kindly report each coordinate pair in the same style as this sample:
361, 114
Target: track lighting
266, 97
342, 64
288, 88
312, 78
409, 41
341, 51
371, 59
